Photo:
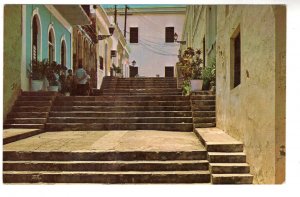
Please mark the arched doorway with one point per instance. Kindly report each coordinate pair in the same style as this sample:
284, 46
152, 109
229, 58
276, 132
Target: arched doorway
63, 53
51, 45
36, 33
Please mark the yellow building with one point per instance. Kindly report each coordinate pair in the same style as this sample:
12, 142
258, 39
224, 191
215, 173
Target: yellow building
249, 45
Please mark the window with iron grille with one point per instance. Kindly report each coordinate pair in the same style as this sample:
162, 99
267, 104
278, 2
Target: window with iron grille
169, 34
134, 35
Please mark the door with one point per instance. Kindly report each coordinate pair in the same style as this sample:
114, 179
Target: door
169, 71
133, 71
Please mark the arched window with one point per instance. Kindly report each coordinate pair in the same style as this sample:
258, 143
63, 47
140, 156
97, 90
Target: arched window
36, 33
63, 53
51, 45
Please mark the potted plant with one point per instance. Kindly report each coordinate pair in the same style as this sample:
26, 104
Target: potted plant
190, 69
209, 74
117, 70
37, 73
53, 76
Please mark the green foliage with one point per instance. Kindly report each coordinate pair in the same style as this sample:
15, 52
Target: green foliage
189, 64
186, 88
38, 70
189, 67
116, 69
209, 72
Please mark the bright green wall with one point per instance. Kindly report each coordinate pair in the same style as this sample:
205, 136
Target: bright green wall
12, 55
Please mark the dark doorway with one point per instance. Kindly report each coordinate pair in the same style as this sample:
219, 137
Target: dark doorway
133, 71
169, 71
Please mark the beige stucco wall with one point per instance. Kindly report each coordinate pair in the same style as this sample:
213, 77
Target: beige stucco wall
254, 111
248, 112
12, 55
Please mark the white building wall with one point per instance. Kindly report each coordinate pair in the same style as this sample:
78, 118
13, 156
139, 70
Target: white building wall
152, 53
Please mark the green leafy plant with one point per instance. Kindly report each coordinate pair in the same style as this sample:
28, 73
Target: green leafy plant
189, 67
116, 69
186, 88
38, 70
209, 72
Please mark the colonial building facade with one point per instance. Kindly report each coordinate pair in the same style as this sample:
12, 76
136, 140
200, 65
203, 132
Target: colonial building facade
249, 46
150, 33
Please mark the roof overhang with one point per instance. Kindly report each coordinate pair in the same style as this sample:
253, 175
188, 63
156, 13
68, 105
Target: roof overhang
74, 14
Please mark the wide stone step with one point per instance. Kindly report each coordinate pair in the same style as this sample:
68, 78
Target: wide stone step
204, 120
121, 103
204, 113
33, 103
221, 157
202, 92
232, 178
120, 108
106, 177
24, 126
204, 125
39, 93
203, 97
105, 165
138, 86
27, 115
204, 108
104, 155
196, 103
123, 98
30, 108
184, 127
229, 168
224, 147
120, 120
142, 94
35, 98
26, 121
216, 140
122, 114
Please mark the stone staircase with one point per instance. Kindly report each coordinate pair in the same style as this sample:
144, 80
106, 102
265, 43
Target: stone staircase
140, 86
105, 167
30, 110
227, 161
125, 104
203, 105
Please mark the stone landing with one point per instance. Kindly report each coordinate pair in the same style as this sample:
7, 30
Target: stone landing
106, 157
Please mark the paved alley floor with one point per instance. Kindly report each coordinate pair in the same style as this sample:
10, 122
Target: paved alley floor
108, 141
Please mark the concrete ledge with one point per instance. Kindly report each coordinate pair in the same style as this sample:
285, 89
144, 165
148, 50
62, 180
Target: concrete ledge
12, 135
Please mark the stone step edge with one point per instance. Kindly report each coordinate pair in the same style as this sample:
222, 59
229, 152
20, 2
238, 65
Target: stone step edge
17, 137
113, 162
192, 172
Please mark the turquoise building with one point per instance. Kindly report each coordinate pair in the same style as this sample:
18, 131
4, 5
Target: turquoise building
48, 34
36, 32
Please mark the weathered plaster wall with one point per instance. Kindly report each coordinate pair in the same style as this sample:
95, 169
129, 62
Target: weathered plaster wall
247, 112
254, 111
280, 91
12, 55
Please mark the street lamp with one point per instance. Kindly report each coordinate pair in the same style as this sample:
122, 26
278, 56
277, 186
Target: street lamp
133, 63
111, 30
178, 41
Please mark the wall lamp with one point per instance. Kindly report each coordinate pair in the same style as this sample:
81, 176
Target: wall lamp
178, 41
111, 30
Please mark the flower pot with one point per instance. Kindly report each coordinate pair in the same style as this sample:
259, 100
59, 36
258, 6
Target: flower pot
53, 88
196, 85
36, 85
